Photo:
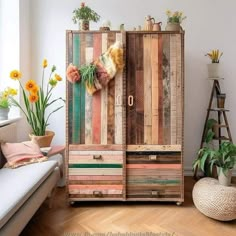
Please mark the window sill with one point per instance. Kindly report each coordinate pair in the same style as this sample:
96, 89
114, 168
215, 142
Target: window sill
9, 121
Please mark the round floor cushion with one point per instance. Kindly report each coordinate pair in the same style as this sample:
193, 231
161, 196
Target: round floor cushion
215, 200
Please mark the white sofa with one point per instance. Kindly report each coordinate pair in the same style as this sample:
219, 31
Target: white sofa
23, 190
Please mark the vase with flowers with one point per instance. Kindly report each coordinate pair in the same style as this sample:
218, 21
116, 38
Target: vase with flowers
174, 19
83, 15
5, 102
214, 66
37, 99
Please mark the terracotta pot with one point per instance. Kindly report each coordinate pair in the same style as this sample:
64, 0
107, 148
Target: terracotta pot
43, 141
4, 113
173, 26
221, 100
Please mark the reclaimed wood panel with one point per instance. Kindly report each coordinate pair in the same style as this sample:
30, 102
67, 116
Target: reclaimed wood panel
166, 89
147, 90
88, 101
90, 152
97, 171
96, 177
154, 148
110, 147
96, 103
82, 95
179, 93
130, 89
173, 86
155, 93
161, 96
76, 93
104, 101
69, 90
118, 139
111, 112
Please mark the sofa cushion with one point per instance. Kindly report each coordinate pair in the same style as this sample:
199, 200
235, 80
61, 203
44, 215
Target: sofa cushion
17, 185
18, 154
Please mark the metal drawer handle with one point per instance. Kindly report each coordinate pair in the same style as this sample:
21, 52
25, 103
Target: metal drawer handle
154, 193
97, 193
152, 157
97, 157
118, 100
130, 100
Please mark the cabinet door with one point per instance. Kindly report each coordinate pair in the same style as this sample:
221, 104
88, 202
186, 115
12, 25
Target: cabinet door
97, 118
154, 88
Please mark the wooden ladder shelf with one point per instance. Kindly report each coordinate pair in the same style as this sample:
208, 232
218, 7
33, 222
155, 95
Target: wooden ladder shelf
222, 121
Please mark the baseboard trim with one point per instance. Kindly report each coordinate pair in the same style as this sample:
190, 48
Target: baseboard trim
188, 171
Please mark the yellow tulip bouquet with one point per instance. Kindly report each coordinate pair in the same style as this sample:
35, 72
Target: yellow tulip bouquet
5, 97
214, 55
36, 100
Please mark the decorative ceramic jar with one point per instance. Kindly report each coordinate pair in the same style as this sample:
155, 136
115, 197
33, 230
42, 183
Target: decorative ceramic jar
4, 113
83, 25
213, 70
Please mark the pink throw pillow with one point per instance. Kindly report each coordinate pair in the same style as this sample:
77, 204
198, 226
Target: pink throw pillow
18, 154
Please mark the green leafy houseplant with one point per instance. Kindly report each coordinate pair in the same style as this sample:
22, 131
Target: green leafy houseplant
37, 99
223, 157
85, 13
175, 17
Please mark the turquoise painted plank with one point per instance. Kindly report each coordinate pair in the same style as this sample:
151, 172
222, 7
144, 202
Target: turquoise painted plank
76, 92
95, 165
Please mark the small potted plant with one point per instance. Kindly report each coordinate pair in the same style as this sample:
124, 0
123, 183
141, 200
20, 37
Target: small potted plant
5, 102
213, 67
224, 158
174, 19
83, 15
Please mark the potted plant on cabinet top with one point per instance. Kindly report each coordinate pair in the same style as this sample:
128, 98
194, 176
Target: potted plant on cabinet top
83, 15
36, 101
174, 19
5, 102
224, 158
213, 67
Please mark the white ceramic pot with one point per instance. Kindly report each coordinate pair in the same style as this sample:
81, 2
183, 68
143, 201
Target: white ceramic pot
224, 178
213, 70
4, 113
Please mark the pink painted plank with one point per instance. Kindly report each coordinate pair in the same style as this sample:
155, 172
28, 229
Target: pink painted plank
96, 177
89, 157
153, 166
97, 187
96, 103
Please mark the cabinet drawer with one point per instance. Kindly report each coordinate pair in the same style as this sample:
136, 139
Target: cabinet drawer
154, 175
95, 174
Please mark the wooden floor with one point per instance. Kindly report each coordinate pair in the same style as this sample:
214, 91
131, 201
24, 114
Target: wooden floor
167, 219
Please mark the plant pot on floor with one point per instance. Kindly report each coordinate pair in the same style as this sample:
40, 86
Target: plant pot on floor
224, 176
43, 141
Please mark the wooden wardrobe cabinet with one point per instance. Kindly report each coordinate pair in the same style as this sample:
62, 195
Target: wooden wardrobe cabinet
125, 142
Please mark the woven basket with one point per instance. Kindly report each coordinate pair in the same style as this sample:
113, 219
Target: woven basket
214, 200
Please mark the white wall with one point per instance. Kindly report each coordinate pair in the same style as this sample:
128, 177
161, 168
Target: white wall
209, 25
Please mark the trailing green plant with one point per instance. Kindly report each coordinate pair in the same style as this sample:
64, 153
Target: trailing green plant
85, 13
87, 73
